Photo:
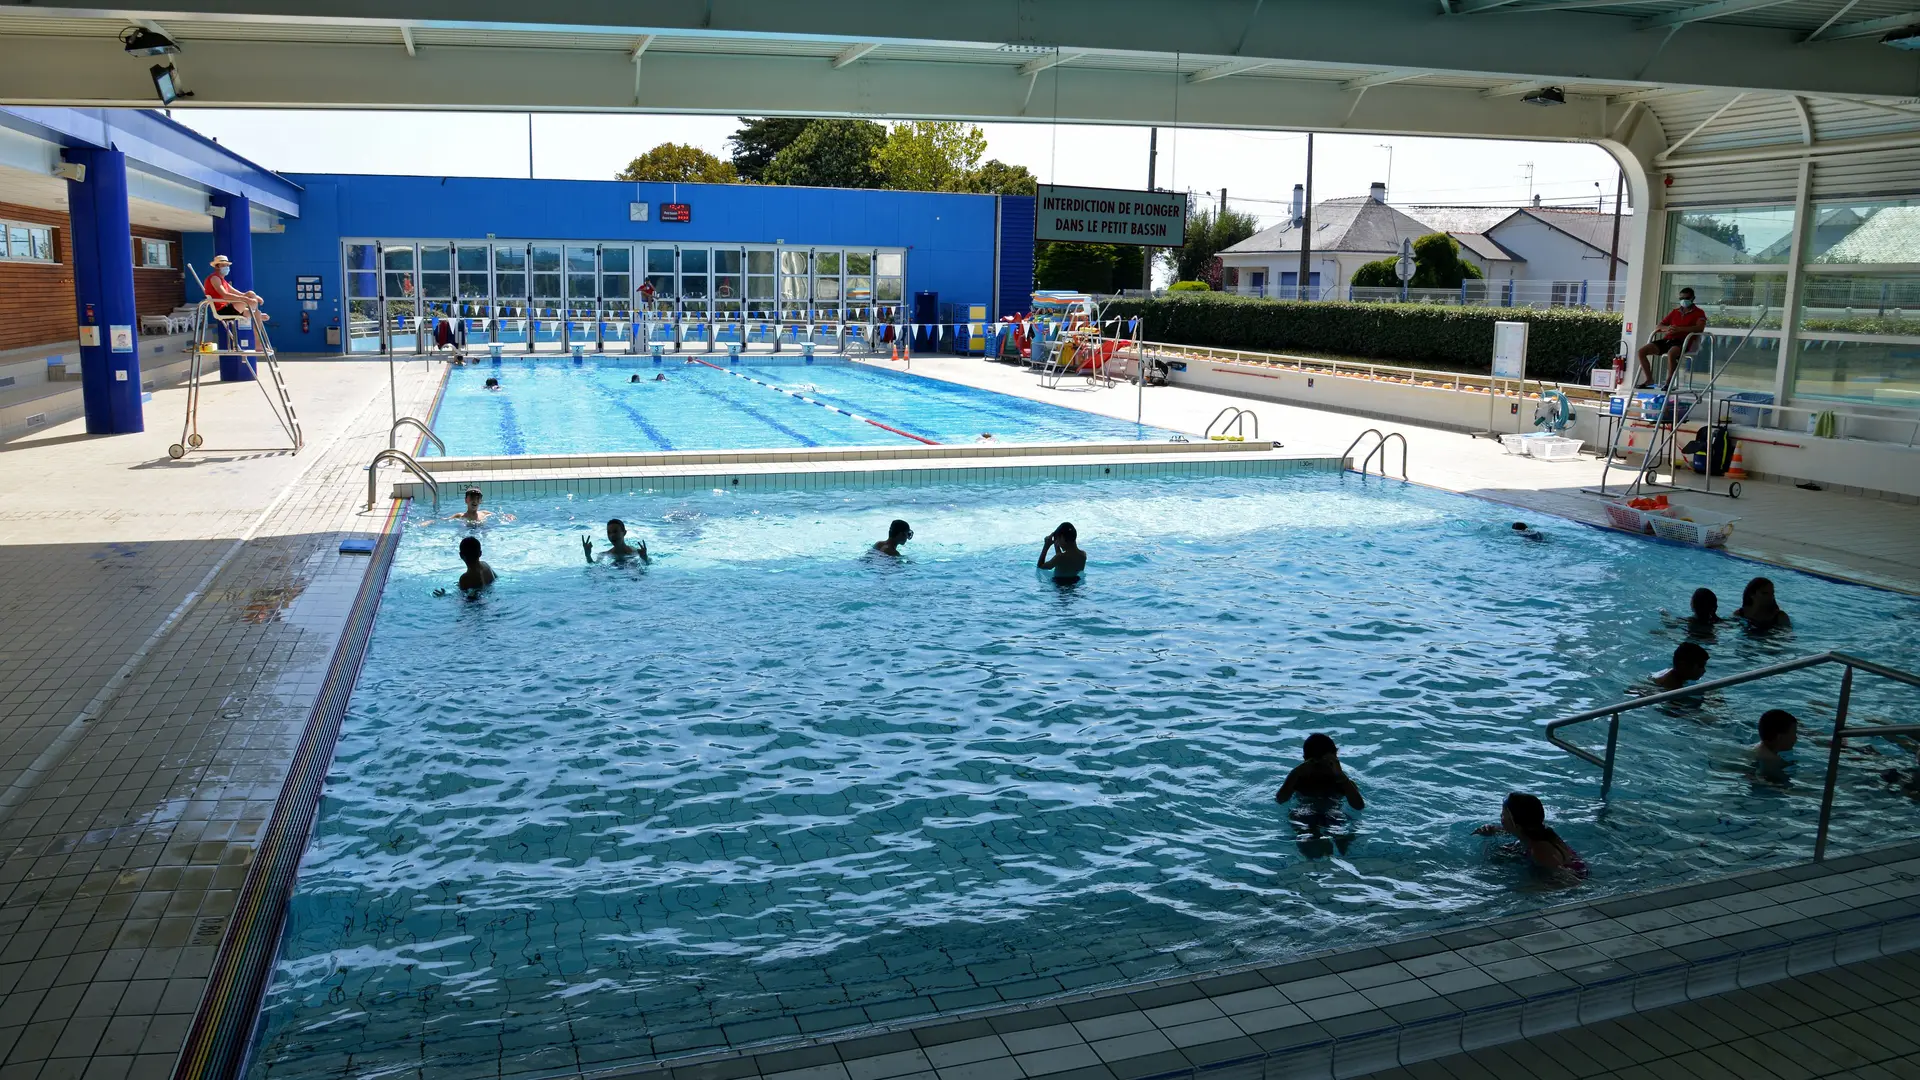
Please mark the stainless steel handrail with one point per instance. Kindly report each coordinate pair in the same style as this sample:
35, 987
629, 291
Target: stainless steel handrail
1236, 419
412, 466
393, 433
1379, 448
1841, 732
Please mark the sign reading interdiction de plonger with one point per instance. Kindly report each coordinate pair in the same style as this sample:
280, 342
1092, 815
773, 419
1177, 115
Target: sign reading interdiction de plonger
1111, 216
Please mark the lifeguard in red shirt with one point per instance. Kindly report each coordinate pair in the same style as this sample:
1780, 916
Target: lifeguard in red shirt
227, 299
1670, 337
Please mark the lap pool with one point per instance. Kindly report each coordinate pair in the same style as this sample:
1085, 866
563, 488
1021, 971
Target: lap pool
594, 407
771, 785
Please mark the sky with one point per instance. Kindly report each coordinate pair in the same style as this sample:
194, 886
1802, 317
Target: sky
1257, 168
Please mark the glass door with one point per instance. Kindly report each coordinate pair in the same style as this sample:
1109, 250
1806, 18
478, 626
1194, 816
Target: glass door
763, 307
662, 295
889, 286
729, 294
858, 287
827, 310
436, 293
545, 303
616, 298
796, 295
583, 296
397, 266
696, 296
510, 294
473, 302
363, 299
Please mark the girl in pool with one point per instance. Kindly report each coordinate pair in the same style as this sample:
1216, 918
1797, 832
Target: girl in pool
1758, 607
1068, 560
1523, 816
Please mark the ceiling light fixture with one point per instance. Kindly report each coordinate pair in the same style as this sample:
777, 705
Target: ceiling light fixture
1549, 95
141, 41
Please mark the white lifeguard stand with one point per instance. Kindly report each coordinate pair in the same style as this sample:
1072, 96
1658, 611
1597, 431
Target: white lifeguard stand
216, 335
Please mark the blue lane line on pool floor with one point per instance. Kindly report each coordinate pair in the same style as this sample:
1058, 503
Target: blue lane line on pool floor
752, 412
795, 394
660, 441
510, 428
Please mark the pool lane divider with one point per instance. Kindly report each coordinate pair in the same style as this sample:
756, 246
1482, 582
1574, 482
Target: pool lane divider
223, 1027
830, 408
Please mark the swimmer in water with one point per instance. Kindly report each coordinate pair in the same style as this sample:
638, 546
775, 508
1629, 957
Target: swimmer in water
986, 436
1706, 613
1068, 561
1758, 607
1779, 732
1689, 663
493, 383
617, 547
897, 533
661, 377
1523, 816
633, 378
473, 515
1319, 775
1527, 532
479, 575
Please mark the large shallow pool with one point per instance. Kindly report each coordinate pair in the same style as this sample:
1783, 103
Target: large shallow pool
594, 407
772, 785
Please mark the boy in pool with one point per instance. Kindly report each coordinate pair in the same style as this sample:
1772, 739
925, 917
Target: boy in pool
1522, 815
1706, 612
493, 384
1689, 663
1527, 532
1779, 731
473, 515
1319, 775
897, 533
1068, 561
1758, 607
479, 575
617, 547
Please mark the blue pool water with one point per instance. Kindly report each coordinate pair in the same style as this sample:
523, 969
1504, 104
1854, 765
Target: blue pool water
557, 407
771, 785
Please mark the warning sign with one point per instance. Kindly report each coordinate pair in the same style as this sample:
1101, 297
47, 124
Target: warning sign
1111, 216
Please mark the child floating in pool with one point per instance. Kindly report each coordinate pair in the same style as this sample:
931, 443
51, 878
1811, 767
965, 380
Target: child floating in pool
1068, 561
1779, 731
617, 547
1523, 816
897, 533
1319, 775
1758, 607
1689, 663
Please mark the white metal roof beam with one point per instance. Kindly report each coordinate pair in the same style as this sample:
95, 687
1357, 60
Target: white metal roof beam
854, 53
1231, 67
1509, 7
1839, 13
1706, 11
406, 38
1041, 63
1868, 27
1384, 78
640, 47
1704, 124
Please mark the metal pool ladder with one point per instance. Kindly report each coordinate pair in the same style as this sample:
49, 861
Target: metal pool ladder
1379, 448
393, 433
1234, 419
1841, 732
412, 466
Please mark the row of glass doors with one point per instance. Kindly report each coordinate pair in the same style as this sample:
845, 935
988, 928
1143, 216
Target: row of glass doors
535, 296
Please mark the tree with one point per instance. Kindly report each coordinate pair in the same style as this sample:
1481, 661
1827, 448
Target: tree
996, 177
930, 155
1091, 268
759, 138
679, 164
1726, 232
830, 153
1379, 274
1437, 265
1208, 234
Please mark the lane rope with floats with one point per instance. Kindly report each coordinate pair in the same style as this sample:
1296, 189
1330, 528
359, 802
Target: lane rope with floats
822, 404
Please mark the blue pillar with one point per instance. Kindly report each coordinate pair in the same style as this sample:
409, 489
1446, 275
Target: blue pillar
233, 237
103, 293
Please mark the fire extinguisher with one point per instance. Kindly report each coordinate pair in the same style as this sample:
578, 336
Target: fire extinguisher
306, 323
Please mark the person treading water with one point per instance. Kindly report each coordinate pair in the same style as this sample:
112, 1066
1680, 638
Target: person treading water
492, 383
617, 547
1706, 613
1321, 784
478, 574
1068, 561
897, 533
1779, 732
1759, 608
1523, 816
1689, 663
473, 515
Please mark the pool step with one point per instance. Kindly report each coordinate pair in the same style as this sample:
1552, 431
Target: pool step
1352, 1012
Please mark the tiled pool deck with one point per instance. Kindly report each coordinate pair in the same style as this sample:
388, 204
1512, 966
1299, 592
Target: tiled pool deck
174, 621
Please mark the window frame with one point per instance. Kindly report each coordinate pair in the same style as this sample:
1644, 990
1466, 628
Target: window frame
7, 226
140, 253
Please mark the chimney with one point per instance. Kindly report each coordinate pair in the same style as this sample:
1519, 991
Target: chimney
1299, 202
1378, 194
1536, 200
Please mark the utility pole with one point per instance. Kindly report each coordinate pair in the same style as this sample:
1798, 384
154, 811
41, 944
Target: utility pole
1613, 251
1223, 202
1146, 253
1306, 222
529, 146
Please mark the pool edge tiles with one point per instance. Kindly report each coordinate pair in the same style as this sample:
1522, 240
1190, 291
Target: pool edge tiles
224, 1025
1352, 1011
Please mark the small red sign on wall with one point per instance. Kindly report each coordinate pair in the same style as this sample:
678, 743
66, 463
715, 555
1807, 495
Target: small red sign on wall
676, 211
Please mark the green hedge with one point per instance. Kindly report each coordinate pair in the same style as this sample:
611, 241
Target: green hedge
1560, 345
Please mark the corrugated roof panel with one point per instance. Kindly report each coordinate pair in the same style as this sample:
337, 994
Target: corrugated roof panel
13, 25
190, 30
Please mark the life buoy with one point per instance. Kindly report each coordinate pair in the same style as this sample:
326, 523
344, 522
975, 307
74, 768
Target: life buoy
1555, 413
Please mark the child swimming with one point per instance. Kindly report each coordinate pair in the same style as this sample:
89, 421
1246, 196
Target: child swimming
1779, 731
1689, 663
1523, 816
1319, 775
1758, 607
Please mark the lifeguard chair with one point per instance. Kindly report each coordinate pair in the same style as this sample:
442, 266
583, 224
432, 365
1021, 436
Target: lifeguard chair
243, 334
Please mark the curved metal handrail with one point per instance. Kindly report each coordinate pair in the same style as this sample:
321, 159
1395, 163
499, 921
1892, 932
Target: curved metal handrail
1841, 732
393, 433
1378, 448
412, 466
1236, 419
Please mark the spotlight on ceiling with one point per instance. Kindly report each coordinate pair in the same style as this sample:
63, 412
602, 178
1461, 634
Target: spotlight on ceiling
1550, 95
141, 41
1907, 38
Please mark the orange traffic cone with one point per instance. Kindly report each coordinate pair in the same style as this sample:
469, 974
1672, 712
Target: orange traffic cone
896, 352
1736, 469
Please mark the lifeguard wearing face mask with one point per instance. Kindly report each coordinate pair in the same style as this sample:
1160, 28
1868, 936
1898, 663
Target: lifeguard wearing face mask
1669, 338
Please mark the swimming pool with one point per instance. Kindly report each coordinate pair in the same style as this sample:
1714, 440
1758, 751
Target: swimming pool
770, 785
558, 407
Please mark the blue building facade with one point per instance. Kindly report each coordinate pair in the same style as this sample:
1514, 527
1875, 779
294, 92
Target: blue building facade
377, 262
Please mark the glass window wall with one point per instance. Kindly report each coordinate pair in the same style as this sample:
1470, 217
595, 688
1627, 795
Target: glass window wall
1733, 237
